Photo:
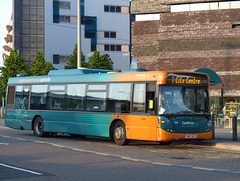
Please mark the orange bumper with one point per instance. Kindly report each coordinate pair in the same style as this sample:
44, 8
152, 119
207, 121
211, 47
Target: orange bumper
166, 136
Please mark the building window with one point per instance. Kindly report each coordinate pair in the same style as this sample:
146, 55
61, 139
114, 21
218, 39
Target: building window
118, 9
64, 5
64, 19
236, 26
106, 48
55, 59
55, 18
90, 34
61, 5
205, 6
108, 34
147, 17
112, 48
118, 48
106, 8
112, 9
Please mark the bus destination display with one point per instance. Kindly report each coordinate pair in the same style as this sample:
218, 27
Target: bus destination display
187, 79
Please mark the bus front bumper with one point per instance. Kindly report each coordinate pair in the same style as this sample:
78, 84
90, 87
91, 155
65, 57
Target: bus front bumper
167, 136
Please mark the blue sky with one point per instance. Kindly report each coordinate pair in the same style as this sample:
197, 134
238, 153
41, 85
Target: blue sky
5, 16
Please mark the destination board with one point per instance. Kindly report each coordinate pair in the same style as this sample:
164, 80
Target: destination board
187, 79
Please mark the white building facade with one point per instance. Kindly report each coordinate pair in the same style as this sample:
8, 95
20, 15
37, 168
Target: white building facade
105, 27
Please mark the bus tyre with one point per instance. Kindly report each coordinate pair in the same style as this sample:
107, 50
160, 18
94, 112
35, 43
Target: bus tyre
165, 143
119, 134
38, 127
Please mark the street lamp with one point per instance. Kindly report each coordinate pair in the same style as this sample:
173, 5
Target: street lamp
79, 35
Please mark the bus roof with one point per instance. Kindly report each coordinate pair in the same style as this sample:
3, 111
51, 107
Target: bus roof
98, 76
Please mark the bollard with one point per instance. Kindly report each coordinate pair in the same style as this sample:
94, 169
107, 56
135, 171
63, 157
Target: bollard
234, 128
213, 126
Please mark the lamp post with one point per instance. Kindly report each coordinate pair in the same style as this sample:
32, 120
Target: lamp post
79, 35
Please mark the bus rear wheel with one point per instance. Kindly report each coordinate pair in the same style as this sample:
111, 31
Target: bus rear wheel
119, 134
38, 127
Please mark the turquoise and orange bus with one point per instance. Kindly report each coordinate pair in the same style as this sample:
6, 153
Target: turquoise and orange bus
136, 104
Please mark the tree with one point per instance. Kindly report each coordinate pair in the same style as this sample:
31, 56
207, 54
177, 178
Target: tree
72, 61
40, 66
97, 61
13, 65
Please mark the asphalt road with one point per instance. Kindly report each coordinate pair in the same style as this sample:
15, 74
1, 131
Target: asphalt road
26, 157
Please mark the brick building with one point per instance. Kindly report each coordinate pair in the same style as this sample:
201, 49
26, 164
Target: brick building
191, 34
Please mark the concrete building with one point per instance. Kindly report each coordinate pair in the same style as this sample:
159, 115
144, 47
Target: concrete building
50, 26
191, 34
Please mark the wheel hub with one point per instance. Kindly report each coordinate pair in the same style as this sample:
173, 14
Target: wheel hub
119, 133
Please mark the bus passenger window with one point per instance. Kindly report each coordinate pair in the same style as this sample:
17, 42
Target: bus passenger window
26, 90
10, 97
139, 98
76, 97
96, 97
96, 101
38, 97
119, 98
56, 100
18, 98
56, 97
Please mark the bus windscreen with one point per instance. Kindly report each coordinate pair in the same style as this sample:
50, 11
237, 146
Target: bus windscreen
183, 100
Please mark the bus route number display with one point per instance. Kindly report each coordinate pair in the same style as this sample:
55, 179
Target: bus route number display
187, 79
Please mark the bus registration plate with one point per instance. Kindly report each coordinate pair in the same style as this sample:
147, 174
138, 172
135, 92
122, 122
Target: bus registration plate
190, 136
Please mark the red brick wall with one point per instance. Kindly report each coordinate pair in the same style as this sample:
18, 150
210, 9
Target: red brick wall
190, 40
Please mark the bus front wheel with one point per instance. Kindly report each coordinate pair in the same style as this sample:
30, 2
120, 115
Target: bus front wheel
38, 127
165, 143
119, 134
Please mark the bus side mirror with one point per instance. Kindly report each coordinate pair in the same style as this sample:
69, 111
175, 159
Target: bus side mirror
151, 104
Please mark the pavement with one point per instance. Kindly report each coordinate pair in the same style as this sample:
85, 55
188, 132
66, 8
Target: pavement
223, 139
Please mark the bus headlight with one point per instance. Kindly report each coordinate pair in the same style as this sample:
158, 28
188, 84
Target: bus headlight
208, 126
166, 124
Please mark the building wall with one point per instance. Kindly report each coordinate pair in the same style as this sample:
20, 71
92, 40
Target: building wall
157, 6
190, 40
61, 37
50, 26
28, 18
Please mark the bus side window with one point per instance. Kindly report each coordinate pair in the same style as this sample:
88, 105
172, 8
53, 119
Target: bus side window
139, 97
26, 90
10, 97
96, 97
18, 98
38, 97
56, 97
119, 98
76, 97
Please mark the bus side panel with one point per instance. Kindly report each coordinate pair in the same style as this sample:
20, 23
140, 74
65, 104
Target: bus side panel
140, 127
17, 119
11, 119
93, 124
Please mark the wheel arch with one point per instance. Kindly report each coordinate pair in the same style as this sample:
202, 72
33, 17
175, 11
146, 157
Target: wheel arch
112, 127
34, 118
